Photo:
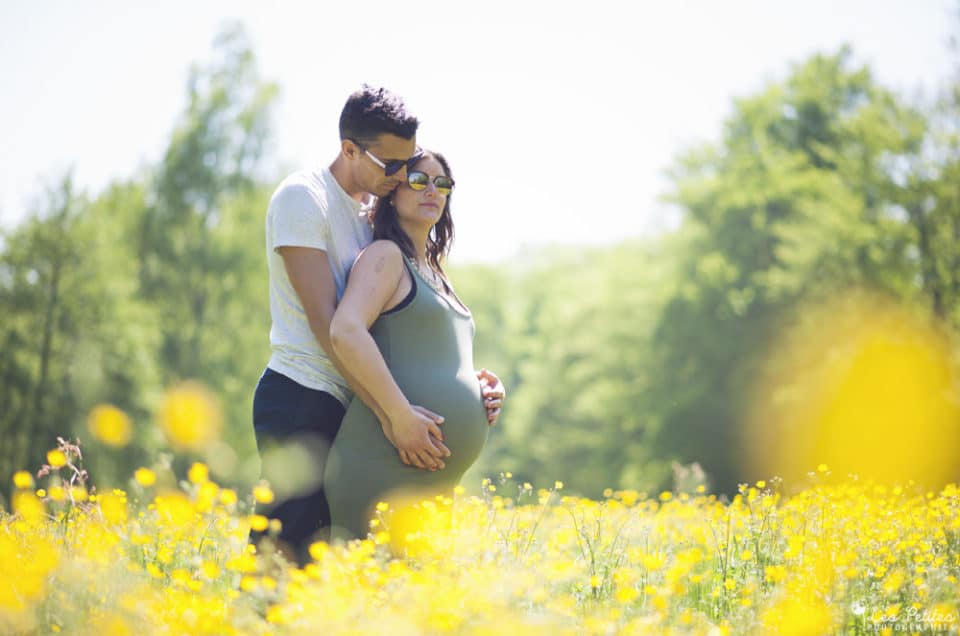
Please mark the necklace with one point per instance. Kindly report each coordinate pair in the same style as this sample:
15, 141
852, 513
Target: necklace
430, 276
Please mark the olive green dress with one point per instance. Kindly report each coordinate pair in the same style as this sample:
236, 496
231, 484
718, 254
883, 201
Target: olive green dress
427, 344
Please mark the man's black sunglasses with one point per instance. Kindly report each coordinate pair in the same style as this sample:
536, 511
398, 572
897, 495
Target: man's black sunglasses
393, 166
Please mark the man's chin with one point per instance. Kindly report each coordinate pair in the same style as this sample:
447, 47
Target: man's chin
385, 189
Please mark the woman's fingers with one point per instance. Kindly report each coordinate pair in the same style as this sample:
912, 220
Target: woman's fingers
436, 439
429, 463
440, 448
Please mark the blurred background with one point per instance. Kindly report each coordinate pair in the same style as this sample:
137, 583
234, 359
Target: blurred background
704, 243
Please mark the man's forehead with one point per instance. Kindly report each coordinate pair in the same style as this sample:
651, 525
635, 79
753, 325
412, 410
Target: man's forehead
394, 147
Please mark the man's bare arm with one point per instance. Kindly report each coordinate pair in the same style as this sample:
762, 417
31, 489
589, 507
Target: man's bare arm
309, 272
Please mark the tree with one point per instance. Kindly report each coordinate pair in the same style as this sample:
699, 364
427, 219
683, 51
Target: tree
201, 234
799, 200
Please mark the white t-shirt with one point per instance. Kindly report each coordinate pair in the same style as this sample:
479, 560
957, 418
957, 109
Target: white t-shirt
310, 209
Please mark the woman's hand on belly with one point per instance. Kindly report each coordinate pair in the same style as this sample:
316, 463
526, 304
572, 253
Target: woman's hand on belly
405, 457
417, 437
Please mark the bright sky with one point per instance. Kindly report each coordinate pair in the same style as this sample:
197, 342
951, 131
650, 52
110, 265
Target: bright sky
559, 119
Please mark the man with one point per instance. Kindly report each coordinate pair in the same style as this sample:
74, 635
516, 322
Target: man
316, 225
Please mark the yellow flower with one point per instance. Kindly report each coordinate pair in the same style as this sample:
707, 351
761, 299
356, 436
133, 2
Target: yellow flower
666, 496
56, 458
28, 506
145, 477
822, 468
558, 485
263, 494
113, 507
110, 425
894, 582
259, 523
277, 615
244, 563
190, 416
318, 550
23, 480
198, 473
209, 570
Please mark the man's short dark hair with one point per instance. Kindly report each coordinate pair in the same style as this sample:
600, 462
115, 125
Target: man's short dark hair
371, 112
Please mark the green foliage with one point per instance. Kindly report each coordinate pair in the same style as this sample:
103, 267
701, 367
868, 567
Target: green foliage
152, 282
572, 333
617, 361
801, 200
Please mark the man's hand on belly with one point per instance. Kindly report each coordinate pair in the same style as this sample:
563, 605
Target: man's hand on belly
491, 388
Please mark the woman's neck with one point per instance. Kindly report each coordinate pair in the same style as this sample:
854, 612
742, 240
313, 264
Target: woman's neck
418, 235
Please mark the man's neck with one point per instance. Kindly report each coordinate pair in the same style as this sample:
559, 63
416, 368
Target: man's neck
341, 173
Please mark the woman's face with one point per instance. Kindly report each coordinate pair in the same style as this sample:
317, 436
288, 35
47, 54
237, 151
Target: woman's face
423, 206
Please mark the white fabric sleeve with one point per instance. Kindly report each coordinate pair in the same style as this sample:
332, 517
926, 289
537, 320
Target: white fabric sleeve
298, 219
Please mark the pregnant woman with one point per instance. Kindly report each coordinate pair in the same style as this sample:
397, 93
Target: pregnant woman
406, 337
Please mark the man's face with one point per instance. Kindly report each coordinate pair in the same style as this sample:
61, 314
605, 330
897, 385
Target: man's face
386, 149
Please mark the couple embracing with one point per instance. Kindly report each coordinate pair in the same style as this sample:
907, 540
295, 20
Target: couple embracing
371, 373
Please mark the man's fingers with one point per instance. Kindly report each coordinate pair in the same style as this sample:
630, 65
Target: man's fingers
428, 413
493, 403
405, 458
492, 417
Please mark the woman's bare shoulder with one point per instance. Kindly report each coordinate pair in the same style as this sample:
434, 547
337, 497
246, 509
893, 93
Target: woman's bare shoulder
381, 257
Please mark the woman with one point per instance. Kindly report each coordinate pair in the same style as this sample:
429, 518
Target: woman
406, 338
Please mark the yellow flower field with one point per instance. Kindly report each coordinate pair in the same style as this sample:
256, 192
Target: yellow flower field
842, 556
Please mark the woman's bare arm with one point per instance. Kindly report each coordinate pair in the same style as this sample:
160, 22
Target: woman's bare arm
373, 281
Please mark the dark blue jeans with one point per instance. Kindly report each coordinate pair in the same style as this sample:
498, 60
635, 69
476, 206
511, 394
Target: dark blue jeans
295, 427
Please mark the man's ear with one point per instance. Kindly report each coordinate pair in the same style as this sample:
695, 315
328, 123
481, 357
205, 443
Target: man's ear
349, 149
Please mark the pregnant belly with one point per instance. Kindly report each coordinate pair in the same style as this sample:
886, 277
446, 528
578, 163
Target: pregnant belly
457, 398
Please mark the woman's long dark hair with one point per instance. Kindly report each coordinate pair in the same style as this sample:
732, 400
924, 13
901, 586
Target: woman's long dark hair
386, 225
